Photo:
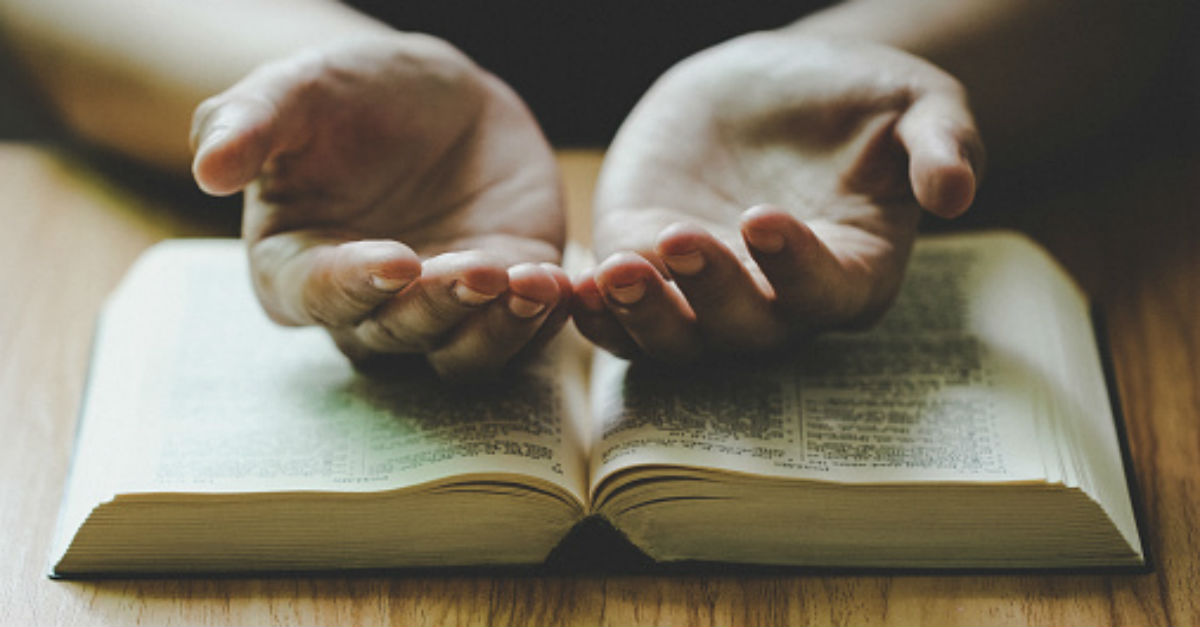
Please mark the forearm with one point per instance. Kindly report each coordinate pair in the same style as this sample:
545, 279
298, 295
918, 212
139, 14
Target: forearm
128, 75
1038, 72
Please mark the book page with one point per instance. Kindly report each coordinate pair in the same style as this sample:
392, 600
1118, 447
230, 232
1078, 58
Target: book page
1091, 447
945, 388
197, 391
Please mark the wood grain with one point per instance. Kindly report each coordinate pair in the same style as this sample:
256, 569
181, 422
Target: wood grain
69, 231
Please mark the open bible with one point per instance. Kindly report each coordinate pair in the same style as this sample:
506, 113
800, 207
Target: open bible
970, 429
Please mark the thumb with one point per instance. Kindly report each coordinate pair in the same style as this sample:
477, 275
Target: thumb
232, 136
945, 153
316, 277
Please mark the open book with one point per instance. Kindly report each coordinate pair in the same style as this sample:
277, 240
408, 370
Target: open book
971, 428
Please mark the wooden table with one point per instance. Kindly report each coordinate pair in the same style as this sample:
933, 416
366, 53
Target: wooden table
68, 230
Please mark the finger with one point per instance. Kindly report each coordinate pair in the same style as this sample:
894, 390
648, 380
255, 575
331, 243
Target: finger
594, 320
484, 343
232, 136
452, 287
559, 313
315, 277
945, 153
811, 286
652, 312
731, 310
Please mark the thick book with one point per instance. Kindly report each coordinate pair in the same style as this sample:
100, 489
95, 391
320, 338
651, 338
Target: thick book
971, 429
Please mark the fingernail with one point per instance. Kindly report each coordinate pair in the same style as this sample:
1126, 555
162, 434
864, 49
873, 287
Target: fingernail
685, 264
627, 294
764, 241
523, 307
468, 296
386, 284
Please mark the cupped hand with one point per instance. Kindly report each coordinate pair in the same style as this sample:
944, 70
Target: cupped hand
768, 189
398, 195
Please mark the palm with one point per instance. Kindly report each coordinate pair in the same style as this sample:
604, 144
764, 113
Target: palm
827, 157
396, 194
809, 127
431, 166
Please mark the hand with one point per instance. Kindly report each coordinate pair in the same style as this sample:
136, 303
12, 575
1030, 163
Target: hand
396, 194
768, 189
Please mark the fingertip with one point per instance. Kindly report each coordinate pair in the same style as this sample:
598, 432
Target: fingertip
477, 276
622, 277
680, 238
532, 289
390, 265
532, 280
620, 264
566, 290
560, 278
307, 278
761, 212
225, 162
945, 189
586, 294
487, 280
946, 153
763, 228
211, 165
231, 140
595, 322
679, 246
